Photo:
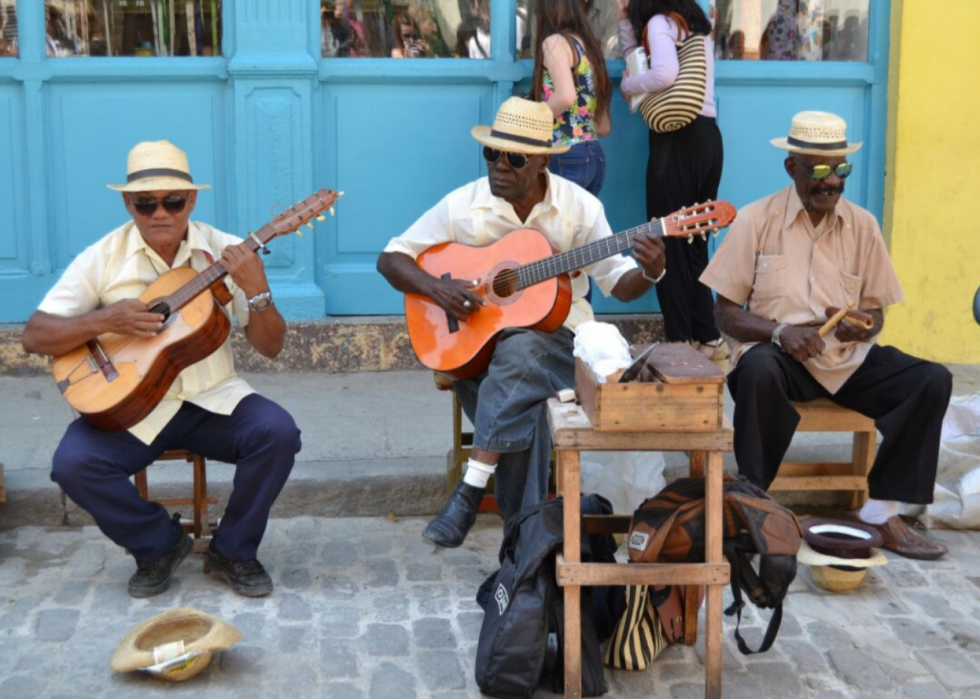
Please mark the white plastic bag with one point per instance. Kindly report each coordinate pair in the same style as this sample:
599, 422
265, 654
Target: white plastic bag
602, 347
625, 478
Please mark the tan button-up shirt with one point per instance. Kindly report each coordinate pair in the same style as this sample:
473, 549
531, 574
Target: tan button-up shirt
568, 217
121, 266
789, 271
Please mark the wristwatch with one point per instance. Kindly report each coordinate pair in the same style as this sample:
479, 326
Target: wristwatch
260, 302
775, 334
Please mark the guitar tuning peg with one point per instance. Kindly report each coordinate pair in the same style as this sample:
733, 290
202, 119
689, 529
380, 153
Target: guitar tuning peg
690, 238
340, 194
321, 218
332, 212
310, 226
715, 233
299, 232
704, 236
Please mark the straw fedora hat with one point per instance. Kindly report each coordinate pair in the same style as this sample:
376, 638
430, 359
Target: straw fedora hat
157, 165
521, 126
174, 645
840, 573
817, 133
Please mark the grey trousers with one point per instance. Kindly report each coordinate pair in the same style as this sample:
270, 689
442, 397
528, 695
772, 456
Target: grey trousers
506, 407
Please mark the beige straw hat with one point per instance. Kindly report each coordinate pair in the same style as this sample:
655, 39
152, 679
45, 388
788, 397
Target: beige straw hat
817, 133
174, 645
157, 165
521, 126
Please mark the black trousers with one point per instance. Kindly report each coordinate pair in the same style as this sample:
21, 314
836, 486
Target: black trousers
906, 396
685, 167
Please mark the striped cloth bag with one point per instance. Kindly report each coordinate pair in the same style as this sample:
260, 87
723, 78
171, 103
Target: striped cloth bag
678, 105
639, 636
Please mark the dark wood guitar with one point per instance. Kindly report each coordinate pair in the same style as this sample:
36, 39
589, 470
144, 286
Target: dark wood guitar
525, 284
114, 381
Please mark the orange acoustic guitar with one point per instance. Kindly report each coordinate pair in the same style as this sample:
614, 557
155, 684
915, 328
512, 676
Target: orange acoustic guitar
114, 381
525, 285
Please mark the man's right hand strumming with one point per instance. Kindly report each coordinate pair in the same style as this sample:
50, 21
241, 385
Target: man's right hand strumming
131, 317
456, 296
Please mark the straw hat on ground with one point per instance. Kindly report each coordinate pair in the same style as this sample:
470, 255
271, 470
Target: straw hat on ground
174, 645
521, 126
157, 165
817, 133
837, 573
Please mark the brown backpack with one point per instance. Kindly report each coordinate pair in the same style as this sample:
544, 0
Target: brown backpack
669, 528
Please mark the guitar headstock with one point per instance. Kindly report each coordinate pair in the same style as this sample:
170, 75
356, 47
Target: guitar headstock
302, 213
700, 219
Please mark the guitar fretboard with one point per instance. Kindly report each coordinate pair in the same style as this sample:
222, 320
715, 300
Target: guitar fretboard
565, 262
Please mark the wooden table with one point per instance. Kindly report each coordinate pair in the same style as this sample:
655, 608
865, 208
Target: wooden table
572, 433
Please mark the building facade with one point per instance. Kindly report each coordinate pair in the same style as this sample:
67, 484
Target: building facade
273, 99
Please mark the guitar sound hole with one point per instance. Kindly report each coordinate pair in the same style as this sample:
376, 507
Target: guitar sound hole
506, 283
160, 307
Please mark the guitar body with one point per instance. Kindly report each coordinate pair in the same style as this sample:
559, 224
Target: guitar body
466, 352
141, 370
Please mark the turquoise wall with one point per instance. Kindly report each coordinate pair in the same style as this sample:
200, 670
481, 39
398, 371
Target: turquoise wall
270, 122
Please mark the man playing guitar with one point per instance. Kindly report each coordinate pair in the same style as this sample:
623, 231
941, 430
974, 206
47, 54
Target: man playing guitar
510, 438
208, 410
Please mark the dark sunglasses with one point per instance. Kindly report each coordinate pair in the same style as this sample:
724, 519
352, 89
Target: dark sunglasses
822, 171
145, 206
516, 160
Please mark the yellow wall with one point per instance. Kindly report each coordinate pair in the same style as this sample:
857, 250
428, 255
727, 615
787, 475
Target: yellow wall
932, 206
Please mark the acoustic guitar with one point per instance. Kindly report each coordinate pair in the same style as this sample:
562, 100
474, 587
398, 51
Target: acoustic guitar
114, 381
525, 285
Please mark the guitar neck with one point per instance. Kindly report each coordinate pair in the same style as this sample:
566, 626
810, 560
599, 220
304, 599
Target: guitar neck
570, 260
196, 286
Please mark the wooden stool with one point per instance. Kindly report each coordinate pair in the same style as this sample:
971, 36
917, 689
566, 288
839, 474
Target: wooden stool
823, 415
201, 524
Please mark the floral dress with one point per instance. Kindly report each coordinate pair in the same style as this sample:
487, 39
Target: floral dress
577, 123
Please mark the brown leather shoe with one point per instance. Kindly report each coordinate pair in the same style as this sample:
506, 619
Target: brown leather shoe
902, 539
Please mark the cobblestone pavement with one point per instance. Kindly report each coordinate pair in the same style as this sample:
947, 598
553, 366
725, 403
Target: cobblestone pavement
365, 608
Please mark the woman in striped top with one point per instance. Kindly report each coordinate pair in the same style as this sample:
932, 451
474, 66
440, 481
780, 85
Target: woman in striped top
570, 76
684, 166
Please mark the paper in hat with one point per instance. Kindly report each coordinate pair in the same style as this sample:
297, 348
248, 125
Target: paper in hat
174, 645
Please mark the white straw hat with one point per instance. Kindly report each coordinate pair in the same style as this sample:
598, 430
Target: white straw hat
521, 126
174, 645
817, 133
157, 165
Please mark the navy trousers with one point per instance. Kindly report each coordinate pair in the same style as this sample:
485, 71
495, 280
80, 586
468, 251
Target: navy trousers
94, 469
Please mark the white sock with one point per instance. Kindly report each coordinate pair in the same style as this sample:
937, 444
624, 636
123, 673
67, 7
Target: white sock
878, 511
478, 473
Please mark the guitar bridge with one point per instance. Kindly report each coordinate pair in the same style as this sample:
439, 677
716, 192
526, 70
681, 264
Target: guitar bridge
102, 361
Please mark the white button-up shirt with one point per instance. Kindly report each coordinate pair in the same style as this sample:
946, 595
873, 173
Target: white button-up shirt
121, 266
568, 216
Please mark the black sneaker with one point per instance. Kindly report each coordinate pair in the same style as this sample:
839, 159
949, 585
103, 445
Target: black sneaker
247, 578
453, 523
153, 577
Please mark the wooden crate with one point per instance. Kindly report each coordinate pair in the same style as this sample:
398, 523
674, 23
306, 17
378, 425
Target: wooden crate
687, 396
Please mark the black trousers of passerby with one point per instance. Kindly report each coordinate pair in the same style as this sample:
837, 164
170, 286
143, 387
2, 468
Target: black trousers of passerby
906, 396
685, 167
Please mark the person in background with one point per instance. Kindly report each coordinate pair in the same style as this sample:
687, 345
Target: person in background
570, 77
684, 166
407, 41
604, 19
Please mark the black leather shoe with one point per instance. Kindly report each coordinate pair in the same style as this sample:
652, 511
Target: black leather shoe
152, 578
247, 578
453, 523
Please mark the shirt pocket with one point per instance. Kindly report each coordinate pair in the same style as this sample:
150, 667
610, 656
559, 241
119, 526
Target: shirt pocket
770, 276
851, 285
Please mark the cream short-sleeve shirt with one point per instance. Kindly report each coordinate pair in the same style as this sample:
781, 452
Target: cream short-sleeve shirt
789, 271
120, 266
